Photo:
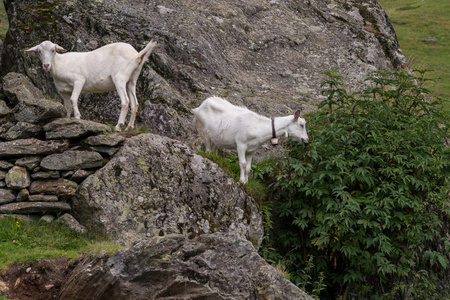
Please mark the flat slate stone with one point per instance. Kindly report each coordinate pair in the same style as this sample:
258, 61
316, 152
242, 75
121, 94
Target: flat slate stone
35, 207
69, 128
6, 196
43, 198
32, 147
111, 140
72, 160
59, 187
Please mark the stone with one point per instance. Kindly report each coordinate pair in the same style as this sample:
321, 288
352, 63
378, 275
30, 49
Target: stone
210, 266
5, 165
35, 207
81, 175
47, 218
2, 174
69, 128
111, 140
43, 198
23, 130
62, 188
45, 175
29, 162
19, 148
23, 195
157, 186
110, 151
4, 109
18, 88
7, 196
18, 178
30, 105
72, 160
72, 223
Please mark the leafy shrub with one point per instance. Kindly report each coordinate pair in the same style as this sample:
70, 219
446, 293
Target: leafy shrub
367, 198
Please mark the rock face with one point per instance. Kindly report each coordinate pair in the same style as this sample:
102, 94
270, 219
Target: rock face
156, 186
264, 54
211, 266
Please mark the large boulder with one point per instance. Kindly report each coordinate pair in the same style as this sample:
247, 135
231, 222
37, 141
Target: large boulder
211, 266
268, 55
156, 186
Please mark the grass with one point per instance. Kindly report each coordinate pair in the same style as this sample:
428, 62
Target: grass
230, 165
417, 20
24, 242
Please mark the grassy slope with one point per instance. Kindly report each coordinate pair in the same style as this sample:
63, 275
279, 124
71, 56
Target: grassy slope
416, 20
23, 242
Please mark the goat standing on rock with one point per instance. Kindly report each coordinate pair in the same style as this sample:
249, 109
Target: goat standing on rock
114, 66
224, 125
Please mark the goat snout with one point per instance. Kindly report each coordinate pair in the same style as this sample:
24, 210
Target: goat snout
47, 67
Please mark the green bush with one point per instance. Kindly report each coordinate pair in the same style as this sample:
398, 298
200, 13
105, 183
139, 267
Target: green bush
367, 198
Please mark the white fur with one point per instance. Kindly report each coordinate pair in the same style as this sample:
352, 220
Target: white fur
224, 125
114, 66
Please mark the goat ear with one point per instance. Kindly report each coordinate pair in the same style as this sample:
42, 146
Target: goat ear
59, 48
33, 49
297, 114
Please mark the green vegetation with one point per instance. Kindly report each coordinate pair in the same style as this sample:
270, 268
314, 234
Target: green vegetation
363, 209
23, 242
423, 31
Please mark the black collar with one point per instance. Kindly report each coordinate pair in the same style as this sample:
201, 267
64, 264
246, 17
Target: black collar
274, 134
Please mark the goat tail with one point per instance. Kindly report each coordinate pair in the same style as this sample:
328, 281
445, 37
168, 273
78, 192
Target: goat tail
145, 53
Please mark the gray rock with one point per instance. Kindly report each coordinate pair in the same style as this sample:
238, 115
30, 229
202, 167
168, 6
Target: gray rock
6, 196
23, 130
72, 223
22, 218
43, 198
45, 175
29, 162
18, 178
62, 188
47, 218
157, 186
72, 160
110, 140
110, 151
73, 128
34, 208
4, 109
81, 175
5, 165
30, 105
32, 147
211, 266
23, 195
18, 88
2, 174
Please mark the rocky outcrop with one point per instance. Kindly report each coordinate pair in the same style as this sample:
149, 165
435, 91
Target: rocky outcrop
267, 55
156, 186
210, 266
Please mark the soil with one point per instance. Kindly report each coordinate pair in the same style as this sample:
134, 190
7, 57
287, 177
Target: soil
41, 280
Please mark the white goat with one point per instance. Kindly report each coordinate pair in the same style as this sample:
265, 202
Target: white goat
114, 66
224, 125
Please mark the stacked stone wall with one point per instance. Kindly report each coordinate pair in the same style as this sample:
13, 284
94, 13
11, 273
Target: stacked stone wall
44, 156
